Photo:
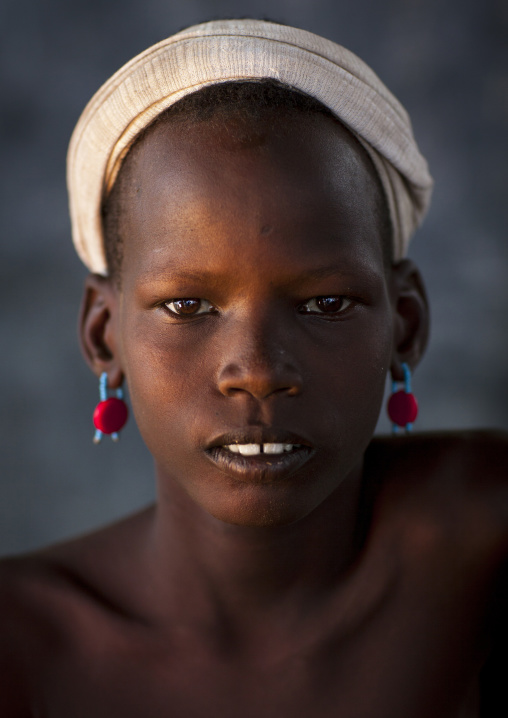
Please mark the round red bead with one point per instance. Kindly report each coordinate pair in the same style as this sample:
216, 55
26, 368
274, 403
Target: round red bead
402, 408
110, 415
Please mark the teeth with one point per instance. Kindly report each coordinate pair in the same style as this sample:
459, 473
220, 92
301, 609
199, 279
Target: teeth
245, 449
255, 449
276, 448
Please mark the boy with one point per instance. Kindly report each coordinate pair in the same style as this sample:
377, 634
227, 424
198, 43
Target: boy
248, 283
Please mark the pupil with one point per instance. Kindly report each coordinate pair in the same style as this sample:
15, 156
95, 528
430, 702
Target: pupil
329, 304
188, 306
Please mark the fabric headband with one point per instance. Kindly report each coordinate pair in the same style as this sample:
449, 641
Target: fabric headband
229, 50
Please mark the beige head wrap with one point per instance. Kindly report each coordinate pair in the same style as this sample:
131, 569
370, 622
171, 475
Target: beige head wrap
228, 50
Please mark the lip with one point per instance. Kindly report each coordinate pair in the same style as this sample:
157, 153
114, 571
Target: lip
258, 435
261, 468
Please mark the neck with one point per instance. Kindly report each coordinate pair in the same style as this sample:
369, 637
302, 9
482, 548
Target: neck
207, 568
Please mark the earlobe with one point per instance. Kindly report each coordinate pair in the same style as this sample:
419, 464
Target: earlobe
411, 317
97, 321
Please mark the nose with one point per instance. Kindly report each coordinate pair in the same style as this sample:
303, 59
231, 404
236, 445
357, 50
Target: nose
257, 364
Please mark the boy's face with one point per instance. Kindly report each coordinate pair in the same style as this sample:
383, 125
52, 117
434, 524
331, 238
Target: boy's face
270, 233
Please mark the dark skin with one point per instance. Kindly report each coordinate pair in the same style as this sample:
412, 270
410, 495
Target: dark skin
344, 577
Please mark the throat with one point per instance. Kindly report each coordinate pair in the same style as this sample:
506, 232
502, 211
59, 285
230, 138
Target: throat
237, 570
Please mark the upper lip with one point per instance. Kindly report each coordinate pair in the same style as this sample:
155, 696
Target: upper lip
257, 435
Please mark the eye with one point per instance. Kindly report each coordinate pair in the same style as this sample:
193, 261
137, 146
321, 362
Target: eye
189, 307
326, 305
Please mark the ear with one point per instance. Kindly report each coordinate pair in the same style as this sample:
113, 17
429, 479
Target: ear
97, 328
411, 317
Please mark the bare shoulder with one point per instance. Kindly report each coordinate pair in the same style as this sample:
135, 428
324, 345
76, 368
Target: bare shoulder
54, 604
466, 466
444, 498
480, 455
489, 445
25, 631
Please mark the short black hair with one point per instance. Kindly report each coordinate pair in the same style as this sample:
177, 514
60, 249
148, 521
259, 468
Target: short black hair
249, 98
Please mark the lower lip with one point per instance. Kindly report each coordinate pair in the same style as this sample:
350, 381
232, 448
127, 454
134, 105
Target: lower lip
261, 468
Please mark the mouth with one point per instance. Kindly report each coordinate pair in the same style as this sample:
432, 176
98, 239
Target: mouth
260, 456
257, 449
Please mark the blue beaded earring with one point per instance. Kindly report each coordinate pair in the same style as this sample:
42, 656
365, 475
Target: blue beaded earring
110, 413
402, 405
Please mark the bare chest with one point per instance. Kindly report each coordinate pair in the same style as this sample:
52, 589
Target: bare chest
407, 658
404, 636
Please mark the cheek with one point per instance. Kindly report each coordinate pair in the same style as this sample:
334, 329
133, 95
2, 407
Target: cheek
166, 374
351, 381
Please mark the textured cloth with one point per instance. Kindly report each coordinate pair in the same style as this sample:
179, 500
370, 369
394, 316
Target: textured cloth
226, 50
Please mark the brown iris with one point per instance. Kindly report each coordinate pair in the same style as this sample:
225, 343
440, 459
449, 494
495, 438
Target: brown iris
186, 306
329, 304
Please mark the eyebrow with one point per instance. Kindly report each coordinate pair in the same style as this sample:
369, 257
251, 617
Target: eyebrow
175, 273
344, 270
315, 274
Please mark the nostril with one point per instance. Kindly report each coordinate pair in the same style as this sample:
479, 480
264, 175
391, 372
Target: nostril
260, 382
231, 391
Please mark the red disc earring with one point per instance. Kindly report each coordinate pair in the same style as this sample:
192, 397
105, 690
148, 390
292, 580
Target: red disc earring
110, 413
402, 405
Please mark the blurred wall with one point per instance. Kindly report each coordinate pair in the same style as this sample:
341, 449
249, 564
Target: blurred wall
447, 60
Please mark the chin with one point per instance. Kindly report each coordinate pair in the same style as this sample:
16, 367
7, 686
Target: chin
260, 507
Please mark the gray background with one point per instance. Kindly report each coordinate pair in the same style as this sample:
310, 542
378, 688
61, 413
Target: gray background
447, 60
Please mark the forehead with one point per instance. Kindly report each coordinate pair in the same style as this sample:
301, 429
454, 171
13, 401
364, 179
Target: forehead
296, 177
